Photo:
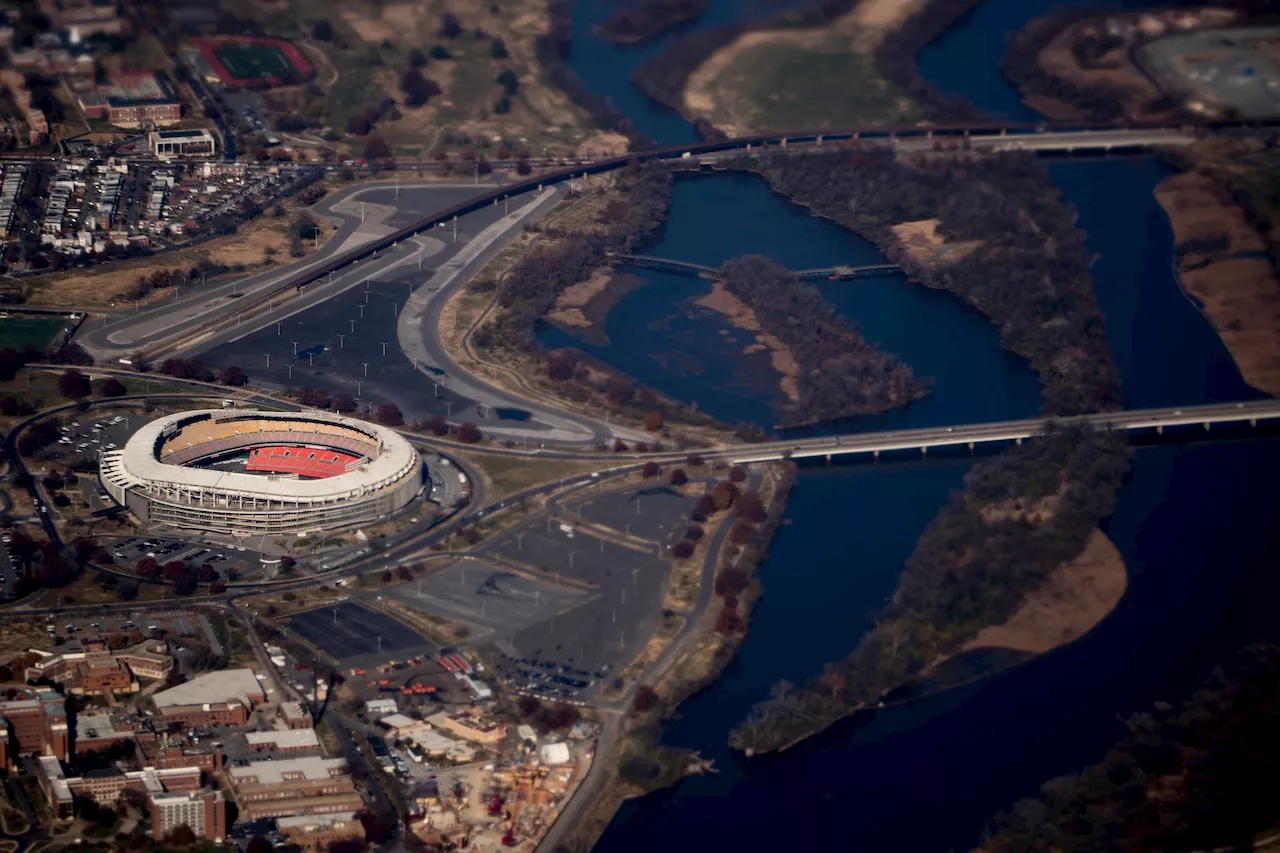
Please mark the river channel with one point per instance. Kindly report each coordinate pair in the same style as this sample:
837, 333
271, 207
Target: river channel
1195, 535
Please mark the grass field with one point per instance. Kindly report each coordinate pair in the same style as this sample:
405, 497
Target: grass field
778, 86
21, 332
250, 61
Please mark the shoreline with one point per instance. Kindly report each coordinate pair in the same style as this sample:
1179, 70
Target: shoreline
708, 651
1223, 268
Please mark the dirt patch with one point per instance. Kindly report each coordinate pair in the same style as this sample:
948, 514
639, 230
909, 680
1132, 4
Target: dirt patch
1077, 596
740, 316
922, 243
1032, 512
603, 144
698, 98
1236, 286
568, 310
877, 18
246, 250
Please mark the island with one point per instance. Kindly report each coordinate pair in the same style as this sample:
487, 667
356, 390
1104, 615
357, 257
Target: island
649, 20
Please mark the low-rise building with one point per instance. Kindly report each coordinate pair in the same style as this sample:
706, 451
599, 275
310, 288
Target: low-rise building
215, 698
470, 726
283, 740
295, 786
317, 832
91, 670
379, 708
295, 716
181, 143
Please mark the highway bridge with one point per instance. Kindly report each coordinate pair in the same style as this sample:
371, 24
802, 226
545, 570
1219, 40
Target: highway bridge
1040, 136
670, 265
875, 443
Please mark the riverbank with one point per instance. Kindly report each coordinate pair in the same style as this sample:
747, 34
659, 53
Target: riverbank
1223, 265
649, 20
638, 763
776, 74
1077, 64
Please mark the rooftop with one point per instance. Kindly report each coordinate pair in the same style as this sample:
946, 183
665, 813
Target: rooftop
224, 686
285, 738
288, 770
313, 822
397, 721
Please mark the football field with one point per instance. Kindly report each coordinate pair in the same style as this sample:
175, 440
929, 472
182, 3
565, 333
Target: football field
251, 61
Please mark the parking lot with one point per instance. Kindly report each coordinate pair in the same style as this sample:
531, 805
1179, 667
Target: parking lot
355, 634
82, 435
225, 559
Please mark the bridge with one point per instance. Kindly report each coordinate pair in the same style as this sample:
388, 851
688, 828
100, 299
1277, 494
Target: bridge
971, 435
840, 272
1041, 136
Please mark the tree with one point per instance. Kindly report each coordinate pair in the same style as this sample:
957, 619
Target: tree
523, 167
439, 51
749, 506
682, 550
723, 494
498, 49
651, 469
678, 477
74, 385
389, 415
258, 844
509, 81
646, 699
217, 586
741, 533
736, 474
376, 148
322, 30
728, 621
113, 388
146, 567
694, 460
560, 366
417, 88
233, 376
127, 591
181, 835
694, 532
528, 706
653, 420
438, 426
417, 58
468, 433
450, 26
620, 446
731, 582
344, 403
348, 845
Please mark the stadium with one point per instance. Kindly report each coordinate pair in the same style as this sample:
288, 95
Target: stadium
240, 472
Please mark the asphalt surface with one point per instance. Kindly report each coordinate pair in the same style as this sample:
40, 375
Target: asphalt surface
350, 630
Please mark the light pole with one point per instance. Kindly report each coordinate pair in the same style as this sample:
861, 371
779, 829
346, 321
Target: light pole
268, 355
358, 384
353, 325
366, 367
295, 347
277, 328
384, 347
290, 366
342, 342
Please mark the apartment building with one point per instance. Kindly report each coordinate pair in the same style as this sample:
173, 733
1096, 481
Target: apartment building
203, 812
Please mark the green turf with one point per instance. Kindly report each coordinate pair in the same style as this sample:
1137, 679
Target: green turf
21, 332
251, 61
774, 87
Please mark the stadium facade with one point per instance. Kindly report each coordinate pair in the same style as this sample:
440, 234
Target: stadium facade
236, 471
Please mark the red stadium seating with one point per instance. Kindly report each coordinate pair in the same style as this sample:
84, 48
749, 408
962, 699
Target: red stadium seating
313, 462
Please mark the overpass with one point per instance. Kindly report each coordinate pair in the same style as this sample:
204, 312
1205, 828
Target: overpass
1040, 136
702, 271
971, 435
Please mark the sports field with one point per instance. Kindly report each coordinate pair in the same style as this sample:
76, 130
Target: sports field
248, 61
23, 332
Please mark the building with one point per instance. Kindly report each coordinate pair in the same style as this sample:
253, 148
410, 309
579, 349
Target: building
92, 670
96, 731
288, 740
106, 785
295, 716
305, 471
470, 727
554, 753
294, 786
399, 725
38, 725
203, 812
138, 100
317, 832
215, 698
380, 707
55, 787
85, 18
168, 753
181, 143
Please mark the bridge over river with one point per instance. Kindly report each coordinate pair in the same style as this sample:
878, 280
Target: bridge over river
875, 443
839, 272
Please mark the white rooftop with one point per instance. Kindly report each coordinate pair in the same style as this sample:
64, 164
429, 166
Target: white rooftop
397, 721
226, 685
290, 769
284, 738
313, 822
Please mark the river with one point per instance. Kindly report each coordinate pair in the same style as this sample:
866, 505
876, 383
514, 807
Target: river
1196, 538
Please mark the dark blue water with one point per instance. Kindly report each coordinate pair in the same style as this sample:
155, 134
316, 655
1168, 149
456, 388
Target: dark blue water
607, 68
926, 777
1195, 534
657, 336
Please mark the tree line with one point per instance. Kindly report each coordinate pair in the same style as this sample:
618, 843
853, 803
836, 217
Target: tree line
1029, 272
840, 374
1188, 777
971, 569
650, 19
